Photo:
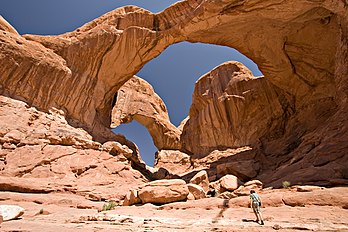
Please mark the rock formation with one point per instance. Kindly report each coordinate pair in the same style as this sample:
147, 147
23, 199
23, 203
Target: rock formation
137, 100
300, 46
231, 108
41, 153
174, 161
5, 26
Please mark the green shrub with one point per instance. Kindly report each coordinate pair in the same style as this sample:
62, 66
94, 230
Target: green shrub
109, 206
286, 184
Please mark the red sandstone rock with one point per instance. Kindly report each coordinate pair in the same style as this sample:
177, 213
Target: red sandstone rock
137, 100
197, 191
5, 26
131, 198
174, 161
305, 78
201, 179
244, 189
229, 182
45, 154
163, 191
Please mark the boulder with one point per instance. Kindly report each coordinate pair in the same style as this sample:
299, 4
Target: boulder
197, 191
163, 191
190, 197
256, 184
244, 169
201, 179
229, 182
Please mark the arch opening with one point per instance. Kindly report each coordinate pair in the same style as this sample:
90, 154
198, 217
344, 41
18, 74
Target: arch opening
173, 75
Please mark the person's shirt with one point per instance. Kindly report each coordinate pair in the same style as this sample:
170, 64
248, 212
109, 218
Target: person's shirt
254, 197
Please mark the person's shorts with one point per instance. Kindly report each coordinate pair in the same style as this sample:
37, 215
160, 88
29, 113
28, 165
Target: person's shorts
256, 207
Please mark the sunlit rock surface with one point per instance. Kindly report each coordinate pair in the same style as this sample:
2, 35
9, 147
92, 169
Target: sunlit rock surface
136, 100
41, 153
300, 47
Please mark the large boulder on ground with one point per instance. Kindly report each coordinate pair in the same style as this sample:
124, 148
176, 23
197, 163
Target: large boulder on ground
229, 182
197, 191
201, 179
163, 191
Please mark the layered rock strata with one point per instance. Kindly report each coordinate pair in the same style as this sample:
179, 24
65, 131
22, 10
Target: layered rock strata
300, 46
41, 153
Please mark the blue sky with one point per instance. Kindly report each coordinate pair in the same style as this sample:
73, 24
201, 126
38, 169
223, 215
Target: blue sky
172, 74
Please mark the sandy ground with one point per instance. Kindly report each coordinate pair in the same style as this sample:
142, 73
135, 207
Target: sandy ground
209, 216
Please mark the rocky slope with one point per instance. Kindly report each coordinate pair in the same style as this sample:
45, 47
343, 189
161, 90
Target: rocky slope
41, 153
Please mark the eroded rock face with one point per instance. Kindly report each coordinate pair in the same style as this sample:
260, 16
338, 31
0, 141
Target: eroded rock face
41, 153
137, 100
176, 162
231, 108
300, 46
5, 26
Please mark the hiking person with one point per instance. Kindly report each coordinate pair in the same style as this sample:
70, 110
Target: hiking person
255, 204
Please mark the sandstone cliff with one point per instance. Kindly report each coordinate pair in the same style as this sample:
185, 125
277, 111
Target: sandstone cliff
300, 46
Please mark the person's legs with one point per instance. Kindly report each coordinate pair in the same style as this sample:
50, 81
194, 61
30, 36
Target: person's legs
256, 215
260, 217
256, 210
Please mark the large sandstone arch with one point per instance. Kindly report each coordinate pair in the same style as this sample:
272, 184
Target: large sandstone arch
136, 100
300, 46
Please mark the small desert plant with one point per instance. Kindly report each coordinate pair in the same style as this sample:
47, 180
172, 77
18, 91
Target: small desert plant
286, 184
109, 206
